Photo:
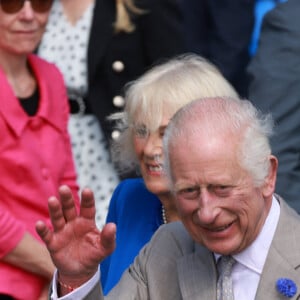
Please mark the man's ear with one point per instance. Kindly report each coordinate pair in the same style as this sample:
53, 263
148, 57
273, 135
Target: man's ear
270, 180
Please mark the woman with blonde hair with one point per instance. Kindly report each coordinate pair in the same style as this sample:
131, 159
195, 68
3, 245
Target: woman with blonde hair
100, 45
139, 206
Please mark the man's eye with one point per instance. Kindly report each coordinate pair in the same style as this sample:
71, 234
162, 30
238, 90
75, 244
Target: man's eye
189, 193
223, 190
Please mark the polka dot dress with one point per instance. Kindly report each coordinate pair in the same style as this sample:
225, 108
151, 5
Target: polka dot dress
92, 162
65, 44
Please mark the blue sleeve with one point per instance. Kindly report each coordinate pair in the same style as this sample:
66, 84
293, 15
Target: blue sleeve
261, 8
112, 216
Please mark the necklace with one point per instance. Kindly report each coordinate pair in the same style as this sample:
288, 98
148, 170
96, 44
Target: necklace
163, 215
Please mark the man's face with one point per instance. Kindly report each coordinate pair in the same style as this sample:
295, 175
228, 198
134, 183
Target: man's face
215, 197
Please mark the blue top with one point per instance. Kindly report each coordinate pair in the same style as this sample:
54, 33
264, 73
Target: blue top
137, 214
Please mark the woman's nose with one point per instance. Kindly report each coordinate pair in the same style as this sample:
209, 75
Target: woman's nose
27, 10
153, 146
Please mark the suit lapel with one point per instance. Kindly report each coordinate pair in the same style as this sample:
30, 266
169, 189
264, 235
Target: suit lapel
283, 260
198, 275
101, 33
275, 267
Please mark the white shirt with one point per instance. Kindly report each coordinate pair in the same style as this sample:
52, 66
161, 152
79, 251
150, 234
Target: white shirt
79, 293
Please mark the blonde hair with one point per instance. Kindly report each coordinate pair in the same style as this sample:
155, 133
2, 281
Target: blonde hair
123, 10
167, 86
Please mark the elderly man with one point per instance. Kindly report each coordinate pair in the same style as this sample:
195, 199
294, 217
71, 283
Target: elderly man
236, 240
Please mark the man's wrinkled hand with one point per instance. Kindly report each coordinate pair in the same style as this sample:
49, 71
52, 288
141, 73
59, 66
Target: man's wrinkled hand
75, 243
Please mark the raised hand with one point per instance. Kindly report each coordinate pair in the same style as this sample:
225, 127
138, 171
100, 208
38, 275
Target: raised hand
75, 243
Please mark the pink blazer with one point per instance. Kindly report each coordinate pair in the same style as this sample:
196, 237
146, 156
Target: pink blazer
35, 159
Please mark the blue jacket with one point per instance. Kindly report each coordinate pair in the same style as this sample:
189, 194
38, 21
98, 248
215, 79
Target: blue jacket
137, 214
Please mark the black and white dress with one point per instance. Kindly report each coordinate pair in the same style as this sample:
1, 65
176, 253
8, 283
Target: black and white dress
66, 45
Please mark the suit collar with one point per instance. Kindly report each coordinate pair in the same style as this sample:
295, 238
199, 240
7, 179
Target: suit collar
198, 275
283, 260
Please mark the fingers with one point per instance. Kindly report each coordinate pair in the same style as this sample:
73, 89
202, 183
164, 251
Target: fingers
67, 203
108, 238
56, 214
62, 211
44, 232
87, 204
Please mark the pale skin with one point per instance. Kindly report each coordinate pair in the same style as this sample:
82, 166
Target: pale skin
20, 33
74, 236
215, 197
40, 263
148, 149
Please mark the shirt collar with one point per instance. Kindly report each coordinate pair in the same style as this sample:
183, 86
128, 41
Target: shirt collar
11, 109
254, 256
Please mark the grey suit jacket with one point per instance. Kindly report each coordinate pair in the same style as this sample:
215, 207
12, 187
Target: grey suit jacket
173, 267
275, 87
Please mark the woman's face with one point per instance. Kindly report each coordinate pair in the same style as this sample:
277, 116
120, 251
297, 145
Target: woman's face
21, 31
148, 149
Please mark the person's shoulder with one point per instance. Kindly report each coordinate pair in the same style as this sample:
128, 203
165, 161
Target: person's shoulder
133, 192
288, 228
170, 241
35, 59
286, 10
172, 235
287, 235
288, 213
133, 185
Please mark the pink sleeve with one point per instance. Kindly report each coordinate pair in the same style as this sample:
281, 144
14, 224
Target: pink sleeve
11, 232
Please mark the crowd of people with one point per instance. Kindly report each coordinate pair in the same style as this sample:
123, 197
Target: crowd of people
98, 52
133, 166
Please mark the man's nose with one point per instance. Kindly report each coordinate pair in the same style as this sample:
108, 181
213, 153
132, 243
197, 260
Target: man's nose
207, 207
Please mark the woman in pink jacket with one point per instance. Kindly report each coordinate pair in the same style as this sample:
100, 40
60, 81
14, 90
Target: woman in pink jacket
35, 151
